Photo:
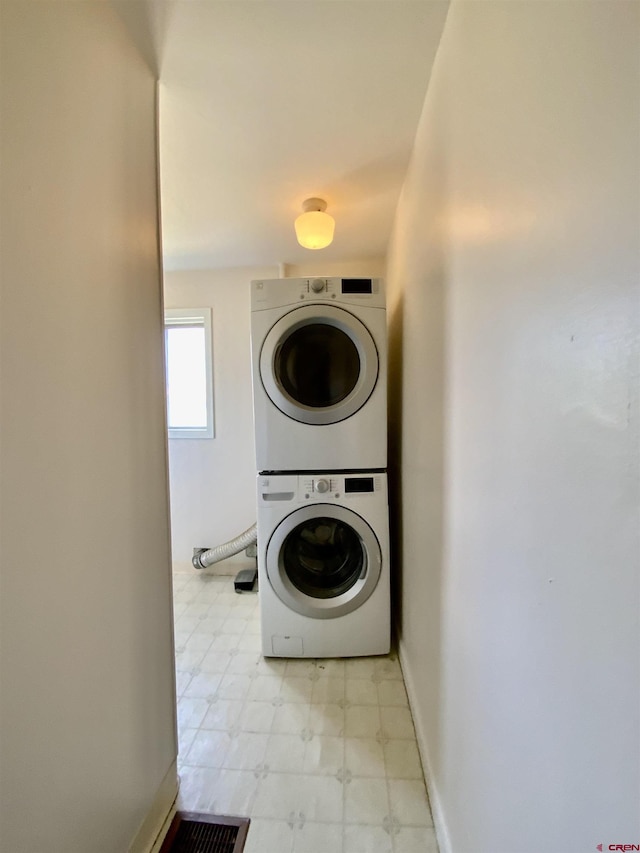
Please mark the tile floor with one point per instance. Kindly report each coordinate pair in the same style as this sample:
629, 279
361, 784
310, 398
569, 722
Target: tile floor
320, 754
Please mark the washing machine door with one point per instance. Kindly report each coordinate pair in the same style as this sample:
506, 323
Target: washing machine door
323, 561
319, 364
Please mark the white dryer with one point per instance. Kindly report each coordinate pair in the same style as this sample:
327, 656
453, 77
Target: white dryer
323, 564
319, 356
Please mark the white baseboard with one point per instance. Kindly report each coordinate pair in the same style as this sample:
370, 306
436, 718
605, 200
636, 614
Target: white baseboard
161, 807
165, 829
439, 822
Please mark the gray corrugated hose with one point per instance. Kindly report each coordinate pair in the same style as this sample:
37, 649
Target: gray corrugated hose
228, 549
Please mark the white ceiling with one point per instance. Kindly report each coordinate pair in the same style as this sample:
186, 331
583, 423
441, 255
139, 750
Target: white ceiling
266, 103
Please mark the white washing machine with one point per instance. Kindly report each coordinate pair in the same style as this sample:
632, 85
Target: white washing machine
323, 564
319, 356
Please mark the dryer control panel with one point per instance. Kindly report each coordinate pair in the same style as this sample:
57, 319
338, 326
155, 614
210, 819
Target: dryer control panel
279, 292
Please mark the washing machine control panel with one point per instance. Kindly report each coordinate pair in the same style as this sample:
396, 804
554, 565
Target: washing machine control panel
310, 488
337, 486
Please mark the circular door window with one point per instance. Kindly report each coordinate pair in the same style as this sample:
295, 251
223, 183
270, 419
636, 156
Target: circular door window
323, 557
319, 364
323, 561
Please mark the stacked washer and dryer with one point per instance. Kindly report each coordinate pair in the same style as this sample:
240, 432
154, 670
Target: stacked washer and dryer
319, 356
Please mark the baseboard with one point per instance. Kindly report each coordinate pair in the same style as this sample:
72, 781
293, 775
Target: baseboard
161, 807
157, 847
182, 567
439, 822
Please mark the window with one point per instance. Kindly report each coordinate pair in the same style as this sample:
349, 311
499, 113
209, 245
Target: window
187, 338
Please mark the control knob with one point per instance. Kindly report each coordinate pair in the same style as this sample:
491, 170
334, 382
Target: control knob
322, 486
317, 285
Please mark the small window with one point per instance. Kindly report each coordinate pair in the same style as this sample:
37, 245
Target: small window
187, 337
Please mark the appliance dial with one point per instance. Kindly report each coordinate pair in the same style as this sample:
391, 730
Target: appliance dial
322, 486
317, 285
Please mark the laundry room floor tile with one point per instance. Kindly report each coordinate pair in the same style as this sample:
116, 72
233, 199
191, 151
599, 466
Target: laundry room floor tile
364, 757
324, 755
257, 717
366, 839
362, 721
290, 719
409, 804
327, 690
320, 754
285, 753
318, 837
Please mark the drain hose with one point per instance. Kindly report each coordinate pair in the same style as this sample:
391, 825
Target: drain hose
228, 549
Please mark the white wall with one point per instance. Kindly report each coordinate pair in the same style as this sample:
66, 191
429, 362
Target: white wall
514, 269
213, 480
88, 730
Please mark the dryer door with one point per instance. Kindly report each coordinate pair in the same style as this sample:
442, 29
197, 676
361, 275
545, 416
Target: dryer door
319, 364
323, 561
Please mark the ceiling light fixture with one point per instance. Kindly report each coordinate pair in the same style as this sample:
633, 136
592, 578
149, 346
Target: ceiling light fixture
314, 227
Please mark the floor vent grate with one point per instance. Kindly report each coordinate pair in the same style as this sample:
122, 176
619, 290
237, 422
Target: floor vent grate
191, 832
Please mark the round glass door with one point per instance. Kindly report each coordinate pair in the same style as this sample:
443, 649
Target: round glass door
323, 557
319, 364
323, 561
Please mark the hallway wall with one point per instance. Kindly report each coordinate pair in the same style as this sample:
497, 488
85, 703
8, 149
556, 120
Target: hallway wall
87, 702
514, 270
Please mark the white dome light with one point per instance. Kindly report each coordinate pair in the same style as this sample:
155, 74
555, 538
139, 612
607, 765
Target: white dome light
314, 227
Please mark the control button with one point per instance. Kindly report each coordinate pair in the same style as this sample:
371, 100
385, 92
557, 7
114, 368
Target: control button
321, 486
317, 285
